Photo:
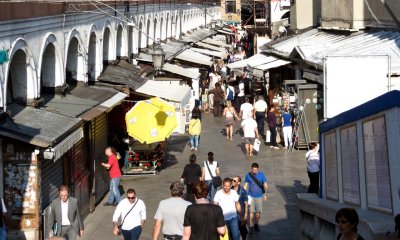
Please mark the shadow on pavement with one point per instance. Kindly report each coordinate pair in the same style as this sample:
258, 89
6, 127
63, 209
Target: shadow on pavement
177, 143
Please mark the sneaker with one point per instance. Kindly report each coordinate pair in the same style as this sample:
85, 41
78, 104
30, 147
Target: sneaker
192, 149
256, 228
276, 148
271, 146
195, 149
107, 204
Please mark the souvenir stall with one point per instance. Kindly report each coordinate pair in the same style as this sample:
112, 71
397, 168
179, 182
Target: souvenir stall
149, 124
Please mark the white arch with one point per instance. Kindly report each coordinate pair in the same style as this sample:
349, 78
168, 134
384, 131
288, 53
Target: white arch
93, 71
81, 56
50, 38
111, 45
168, 26
31, 86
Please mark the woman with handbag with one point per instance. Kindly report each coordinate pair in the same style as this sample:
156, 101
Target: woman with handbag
210, 174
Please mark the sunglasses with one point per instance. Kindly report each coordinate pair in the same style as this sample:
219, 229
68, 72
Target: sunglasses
234, 180
131, 198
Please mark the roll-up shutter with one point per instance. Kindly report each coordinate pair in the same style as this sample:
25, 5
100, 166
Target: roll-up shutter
99, 141
80, 175
51, 180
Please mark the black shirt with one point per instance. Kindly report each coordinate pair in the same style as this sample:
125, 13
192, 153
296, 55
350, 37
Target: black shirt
204, 219
191, 173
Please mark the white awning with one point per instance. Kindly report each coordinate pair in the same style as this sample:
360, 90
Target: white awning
253, 60
114, 100
66, 144
215, 42
181, 71
191, 56
225, 32
211, 47
273, 64
209, 52
261, 61
165, 90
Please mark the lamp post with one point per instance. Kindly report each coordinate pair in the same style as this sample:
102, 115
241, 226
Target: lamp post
158, 57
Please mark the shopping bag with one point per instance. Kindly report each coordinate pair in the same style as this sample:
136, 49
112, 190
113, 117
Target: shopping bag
226, 236
256, 145
267, 136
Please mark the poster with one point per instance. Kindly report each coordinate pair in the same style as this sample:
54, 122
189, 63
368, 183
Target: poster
377, 176
331, 170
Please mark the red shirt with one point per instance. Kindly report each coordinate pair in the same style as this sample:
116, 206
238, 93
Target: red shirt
115, 172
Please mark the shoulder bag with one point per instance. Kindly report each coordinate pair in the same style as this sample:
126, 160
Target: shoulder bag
120, 226
259, 184
217, 181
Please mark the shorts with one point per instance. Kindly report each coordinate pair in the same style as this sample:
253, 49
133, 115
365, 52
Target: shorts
256, 205
249, 140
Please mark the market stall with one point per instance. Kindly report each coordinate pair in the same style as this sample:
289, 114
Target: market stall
149, 123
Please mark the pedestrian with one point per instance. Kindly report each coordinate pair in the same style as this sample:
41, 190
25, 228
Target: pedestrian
243, 200
203, 220
313, 167
260, 109
257, 188
271, 120
250, 133
194, 131
3, 212
287, 127
347, 222
218, 99
210, 170
246, 109
170, 214
196, 109
241, 93
66, 213
112, 166
229, 202
230, 115
191, 174
131, 212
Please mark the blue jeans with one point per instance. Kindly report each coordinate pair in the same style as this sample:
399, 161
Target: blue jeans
3, 233
132, 234
194, 141
211, 190
114, 191
233, 228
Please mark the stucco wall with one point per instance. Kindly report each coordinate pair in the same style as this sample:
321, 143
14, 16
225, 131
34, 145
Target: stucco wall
305, 14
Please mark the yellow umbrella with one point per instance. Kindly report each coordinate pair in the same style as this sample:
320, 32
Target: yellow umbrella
151, 120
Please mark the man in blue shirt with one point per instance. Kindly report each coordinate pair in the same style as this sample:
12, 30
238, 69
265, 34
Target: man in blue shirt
243, 198
256, 186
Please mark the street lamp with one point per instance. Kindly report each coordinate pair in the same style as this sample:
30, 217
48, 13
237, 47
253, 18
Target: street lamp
158, 56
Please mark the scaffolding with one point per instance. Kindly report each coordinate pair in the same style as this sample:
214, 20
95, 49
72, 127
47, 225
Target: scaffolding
259, 12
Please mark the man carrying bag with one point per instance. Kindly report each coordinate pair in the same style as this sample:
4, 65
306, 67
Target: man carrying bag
256, 186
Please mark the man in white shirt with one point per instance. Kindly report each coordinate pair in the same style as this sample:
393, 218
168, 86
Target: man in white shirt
171, 213
250, 132
132, 213
246, 109
260, 108
229, 202
66, 213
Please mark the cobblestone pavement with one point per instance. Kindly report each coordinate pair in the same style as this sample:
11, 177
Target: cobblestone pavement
286, 173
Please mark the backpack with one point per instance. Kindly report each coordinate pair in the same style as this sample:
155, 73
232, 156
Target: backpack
230, 96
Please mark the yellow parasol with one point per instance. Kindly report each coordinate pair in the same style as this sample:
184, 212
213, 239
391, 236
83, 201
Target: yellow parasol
151, 120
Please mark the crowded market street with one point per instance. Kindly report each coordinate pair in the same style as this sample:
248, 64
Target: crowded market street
285, 171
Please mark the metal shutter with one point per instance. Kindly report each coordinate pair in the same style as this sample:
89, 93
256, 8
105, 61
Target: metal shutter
51, 180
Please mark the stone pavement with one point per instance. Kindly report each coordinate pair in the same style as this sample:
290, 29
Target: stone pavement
285, 171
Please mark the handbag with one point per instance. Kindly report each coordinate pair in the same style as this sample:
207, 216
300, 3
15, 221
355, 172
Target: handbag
225, 236
120, 226
256, 145
217, 181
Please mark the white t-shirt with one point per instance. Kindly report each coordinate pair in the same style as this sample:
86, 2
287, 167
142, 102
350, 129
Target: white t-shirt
227, 203
212, 167
260, 106
134, 218
249, 125
172, 212
246, 108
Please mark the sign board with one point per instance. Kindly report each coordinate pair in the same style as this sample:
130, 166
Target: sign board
350, 81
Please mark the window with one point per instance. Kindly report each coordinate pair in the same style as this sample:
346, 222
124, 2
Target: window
230, 6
